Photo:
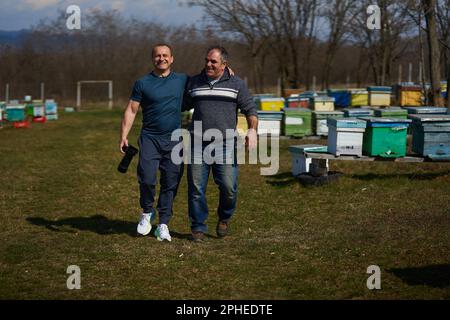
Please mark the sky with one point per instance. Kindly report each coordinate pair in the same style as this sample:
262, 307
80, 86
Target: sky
22, 14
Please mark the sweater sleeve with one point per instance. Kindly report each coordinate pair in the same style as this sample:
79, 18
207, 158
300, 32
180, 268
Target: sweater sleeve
187, 99
245, 101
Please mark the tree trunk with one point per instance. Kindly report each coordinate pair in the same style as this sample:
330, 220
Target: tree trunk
434, 54
448, 84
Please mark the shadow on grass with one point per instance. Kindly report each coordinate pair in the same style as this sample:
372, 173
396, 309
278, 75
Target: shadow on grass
411, 176
284, 179
98, 224
436, 276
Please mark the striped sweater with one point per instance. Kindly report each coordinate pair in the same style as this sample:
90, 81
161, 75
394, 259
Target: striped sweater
217, 105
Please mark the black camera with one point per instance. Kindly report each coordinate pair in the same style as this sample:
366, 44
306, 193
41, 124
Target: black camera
130, 152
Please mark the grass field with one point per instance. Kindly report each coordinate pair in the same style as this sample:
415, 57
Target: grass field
62, 202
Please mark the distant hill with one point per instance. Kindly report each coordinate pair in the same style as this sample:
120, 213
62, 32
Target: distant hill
12, 37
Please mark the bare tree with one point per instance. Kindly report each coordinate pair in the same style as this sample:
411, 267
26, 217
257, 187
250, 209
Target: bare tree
383, 47
339, 15
239, 19
276, 27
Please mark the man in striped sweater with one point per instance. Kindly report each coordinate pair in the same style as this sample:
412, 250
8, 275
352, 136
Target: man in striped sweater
216, 97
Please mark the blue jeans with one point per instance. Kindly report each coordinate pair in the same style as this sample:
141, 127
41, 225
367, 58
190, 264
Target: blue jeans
225, 176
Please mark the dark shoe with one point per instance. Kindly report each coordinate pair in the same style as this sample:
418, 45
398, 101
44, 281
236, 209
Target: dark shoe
197, 236
223, 229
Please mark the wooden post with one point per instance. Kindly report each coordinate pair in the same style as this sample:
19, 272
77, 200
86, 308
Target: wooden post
110, 95
399, 73
78, 95
410, 73
7, 93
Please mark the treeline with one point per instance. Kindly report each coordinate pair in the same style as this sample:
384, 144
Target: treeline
272, 42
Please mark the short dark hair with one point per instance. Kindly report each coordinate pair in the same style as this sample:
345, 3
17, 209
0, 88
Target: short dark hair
223, 52
162, 45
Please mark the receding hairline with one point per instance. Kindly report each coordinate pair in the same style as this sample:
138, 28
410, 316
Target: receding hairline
221, 50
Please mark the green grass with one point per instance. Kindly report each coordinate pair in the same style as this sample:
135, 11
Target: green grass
62, 202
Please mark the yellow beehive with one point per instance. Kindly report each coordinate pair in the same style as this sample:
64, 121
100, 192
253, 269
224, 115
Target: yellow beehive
410, 97
242, 126
359, 97
271, 104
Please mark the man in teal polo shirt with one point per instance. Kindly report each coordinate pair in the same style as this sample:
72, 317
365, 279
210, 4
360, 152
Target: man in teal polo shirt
160, 95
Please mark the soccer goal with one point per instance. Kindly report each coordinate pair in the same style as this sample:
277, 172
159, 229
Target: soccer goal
110, 91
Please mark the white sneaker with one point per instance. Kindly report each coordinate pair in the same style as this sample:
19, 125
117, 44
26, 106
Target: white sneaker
162, 233
145, 226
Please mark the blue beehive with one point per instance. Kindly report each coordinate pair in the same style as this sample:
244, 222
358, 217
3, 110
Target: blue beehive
358, 112
51, 107
431, 136
341, 97
426, 110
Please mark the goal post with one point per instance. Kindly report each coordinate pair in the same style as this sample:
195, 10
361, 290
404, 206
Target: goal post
110, 91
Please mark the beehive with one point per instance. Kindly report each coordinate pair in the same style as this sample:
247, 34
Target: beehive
385, 137
393, 112
322, 103
15, 113
345, 136
319, 118
410, 95
359, 97
426, 110
342, 98
431, 135
358, 112
271, 104
379, 96
297, 122
301, 164
269, 122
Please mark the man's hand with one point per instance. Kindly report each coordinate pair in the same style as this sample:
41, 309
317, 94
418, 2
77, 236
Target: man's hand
251, 140
123, 143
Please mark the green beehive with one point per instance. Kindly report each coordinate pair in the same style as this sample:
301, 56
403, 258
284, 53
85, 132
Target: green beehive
29, 109
385, 137
296, 122
395, 112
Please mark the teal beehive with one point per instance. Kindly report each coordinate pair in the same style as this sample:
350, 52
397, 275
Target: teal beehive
15, 113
